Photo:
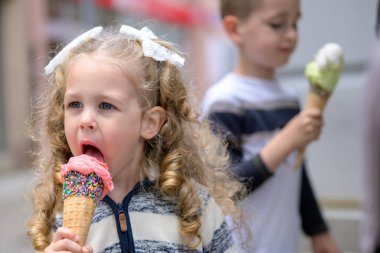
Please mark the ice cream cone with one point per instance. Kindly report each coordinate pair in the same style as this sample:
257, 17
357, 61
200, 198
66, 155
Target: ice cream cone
85, 181
313, 100
77, 215
323, 75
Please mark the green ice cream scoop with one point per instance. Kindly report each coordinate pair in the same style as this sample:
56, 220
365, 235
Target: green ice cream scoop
323, 73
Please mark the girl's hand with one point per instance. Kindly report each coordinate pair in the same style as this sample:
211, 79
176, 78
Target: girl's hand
64, 240
304, 127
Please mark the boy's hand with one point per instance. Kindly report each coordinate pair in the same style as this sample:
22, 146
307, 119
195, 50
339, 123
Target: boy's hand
297, 133
304, 127
66, 241
323, 243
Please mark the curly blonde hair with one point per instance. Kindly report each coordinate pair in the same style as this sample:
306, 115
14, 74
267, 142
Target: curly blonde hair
183, 155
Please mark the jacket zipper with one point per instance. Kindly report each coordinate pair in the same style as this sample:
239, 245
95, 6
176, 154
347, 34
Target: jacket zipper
122, 218
121, 224
124, 244
124, 230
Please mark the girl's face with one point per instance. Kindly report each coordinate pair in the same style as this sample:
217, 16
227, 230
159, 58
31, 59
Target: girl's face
269, 35
102, 115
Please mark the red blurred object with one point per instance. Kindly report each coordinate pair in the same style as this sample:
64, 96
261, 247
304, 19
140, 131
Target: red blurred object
171, 11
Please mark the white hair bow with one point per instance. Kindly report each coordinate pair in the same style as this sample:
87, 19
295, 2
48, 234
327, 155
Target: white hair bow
60, 57
150, 48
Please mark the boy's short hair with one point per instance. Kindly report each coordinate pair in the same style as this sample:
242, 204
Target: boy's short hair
239, 8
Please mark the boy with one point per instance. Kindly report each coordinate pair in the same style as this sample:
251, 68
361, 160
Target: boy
264, 128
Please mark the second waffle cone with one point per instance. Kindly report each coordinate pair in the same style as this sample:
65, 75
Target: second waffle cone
313, 100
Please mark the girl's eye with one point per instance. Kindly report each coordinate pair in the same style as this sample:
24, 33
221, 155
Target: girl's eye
106, 106
75, 104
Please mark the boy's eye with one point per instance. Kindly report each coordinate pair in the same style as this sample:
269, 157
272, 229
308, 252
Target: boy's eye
75, 104
277, 26
106, 106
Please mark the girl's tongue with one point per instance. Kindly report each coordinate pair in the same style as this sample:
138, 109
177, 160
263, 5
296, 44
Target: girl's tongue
94, 152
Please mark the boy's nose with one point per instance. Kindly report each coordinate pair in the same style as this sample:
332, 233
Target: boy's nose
291, 34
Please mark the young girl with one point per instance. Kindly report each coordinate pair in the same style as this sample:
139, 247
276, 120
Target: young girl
117, 94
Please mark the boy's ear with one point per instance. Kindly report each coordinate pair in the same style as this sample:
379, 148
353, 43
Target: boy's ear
231, 26
152, 121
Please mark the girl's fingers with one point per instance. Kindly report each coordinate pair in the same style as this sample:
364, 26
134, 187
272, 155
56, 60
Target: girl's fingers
87, 249
64, 240
65, 233
66, 245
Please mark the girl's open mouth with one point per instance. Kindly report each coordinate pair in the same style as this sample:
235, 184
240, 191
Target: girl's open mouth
93, 151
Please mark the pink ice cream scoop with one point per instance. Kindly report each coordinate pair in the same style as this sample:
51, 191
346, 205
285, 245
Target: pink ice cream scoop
85, 175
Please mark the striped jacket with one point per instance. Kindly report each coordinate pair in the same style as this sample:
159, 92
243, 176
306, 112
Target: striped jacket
146, 222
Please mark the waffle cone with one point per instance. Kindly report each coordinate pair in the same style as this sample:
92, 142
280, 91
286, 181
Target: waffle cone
313, 100
77, 215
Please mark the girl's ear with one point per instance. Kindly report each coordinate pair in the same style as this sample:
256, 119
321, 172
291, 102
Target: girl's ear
231, 26
152, 121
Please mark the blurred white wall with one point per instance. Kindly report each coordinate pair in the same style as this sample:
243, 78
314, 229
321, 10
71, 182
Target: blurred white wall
351, 23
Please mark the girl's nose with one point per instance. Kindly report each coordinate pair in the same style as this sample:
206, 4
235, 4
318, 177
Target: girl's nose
87, 121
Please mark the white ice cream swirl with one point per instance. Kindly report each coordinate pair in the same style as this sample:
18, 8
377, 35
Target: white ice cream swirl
329, 54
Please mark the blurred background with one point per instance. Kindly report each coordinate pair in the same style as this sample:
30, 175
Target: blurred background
30, 30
